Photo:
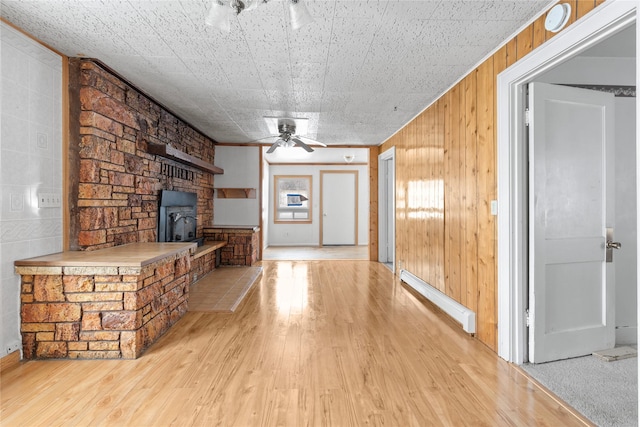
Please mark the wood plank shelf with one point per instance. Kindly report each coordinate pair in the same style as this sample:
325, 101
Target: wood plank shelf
236, 193
208, 247
169, 152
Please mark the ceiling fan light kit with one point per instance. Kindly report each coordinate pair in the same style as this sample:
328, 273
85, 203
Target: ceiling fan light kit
220, 13
287, 136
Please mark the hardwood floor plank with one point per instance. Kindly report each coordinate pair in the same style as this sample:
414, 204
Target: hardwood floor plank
316, 343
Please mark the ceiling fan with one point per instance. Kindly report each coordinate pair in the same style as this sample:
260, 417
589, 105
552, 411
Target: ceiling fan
287, 137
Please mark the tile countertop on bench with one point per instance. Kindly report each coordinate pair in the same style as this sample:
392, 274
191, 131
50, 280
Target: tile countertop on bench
130, 255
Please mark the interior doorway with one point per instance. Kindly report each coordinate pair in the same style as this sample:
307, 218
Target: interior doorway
386, 208
513, 157
589, 54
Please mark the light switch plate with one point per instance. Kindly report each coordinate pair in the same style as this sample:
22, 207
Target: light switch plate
494, 207
49, 200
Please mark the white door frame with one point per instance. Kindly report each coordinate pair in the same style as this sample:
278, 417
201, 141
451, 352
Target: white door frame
603, 21
384, 199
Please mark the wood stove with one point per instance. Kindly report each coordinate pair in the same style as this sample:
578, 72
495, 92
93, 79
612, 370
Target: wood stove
177, 217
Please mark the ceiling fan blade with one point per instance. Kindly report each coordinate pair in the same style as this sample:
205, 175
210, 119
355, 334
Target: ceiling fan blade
273, 147
302, 144
313, 141
266, 137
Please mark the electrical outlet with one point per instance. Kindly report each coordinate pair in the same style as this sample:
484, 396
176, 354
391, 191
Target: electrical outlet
12, 347
49, 200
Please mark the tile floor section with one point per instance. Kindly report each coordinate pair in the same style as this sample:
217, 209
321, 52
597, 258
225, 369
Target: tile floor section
223, 289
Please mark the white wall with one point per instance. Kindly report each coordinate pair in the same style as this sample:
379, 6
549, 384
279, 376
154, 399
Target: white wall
30, 163
309, 234
241, 170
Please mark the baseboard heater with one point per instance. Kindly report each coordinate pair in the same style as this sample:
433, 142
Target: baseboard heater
459, 312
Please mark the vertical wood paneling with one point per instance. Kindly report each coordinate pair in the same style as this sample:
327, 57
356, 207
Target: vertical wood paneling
574, 11
373, 203
413, 224
511, 51
524, 42
66, 170
453, 217
448, 260
470, 198
439, 220
428, 246
402, 170
584, 6
500, 59
462, 188
487, 189
446, 178
539, 32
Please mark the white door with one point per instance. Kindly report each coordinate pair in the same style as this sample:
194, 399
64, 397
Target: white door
339, 207
571, 296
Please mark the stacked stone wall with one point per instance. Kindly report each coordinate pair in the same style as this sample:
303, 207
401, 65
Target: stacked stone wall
118, 181
101, 312
242, 248
202, 265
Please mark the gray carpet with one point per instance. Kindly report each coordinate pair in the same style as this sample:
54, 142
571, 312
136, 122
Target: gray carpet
604, 392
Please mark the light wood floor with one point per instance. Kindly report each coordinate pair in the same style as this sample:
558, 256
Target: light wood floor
307, 253
315, 343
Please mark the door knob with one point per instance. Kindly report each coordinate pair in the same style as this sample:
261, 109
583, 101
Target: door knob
613, 245
610, 245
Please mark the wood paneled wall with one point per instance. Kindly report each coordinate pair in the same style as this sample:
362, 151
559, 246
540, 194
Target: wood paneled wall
373, 203
446, 178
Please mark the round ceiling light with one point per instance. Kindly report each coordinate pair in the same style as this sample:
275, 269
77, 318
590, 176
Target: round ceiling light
557, 17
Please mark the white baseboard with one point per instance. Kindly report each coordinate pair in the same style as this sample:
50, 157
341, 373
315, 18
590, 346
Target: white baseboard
453, 308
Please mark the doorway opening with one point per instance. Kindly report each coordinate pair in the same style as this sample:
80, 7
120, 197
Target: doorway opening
563, 60
387, 208
609, 19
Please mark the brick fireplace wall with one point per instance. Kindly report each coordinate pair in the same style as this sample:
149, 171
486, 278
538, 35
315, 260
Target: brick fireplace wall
114, 181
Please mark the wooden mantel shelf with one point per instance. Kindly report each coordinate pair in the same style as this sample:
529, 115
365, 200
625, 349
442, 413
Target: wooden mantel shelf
167, 151
236, 193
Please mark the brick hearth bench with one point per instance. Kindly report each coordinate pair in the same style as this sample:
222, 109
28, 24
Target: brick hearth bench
104, 304
205, 259
243, 243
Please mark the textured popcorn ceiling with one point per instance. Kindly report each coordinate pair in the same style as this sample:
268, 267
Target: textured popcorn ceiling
360, 72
